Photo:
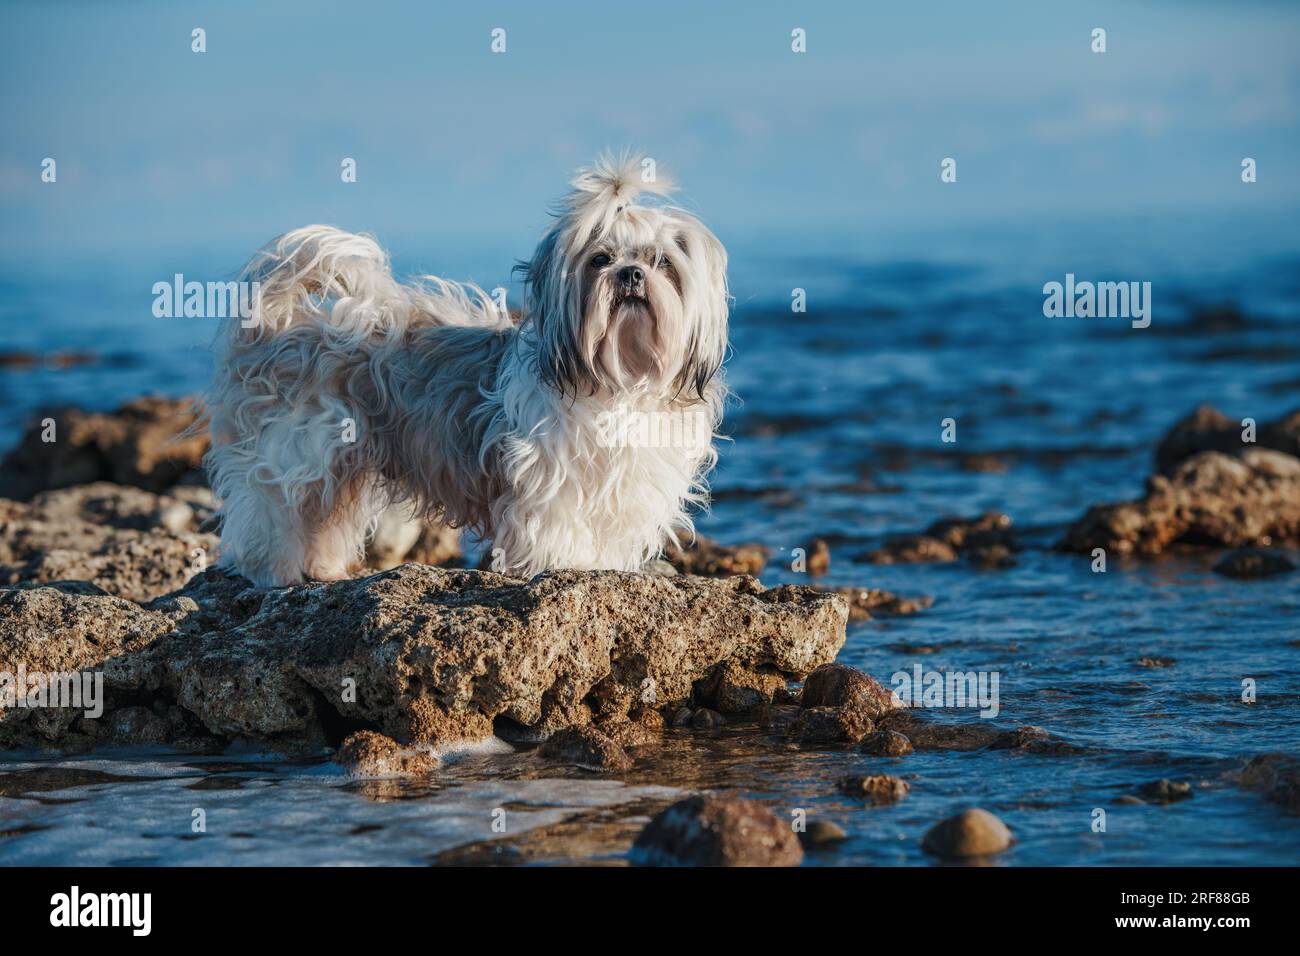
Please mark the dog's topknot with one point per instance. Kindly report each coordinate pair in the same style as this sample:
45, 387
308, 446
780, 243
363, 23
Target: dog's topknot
607, 188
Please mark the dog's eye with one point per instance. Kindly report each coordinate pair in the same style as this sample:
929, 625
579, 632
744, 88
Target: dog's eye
661, 261
600, 260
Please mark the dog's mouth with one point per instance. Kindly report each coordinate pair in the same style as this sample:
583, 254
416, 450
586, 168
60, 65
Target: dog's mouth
632, 298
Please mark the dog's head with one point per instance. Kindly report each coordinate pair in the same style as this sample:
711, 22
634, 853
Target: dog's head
626, 295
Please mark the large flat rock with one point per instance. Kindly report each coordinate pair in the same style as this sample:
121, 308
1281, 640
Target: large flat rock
421, 654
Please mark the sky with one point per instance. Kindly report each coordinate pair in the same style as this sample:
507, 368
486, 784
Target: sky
201, 157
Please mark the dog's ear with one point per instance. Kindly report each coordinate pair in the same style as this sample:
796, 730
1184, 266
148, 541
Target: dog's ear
705, 301
553, 304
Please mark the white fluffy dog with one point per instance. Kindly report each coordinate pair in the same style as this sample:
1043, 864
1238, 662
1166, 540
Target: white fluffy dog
349, 392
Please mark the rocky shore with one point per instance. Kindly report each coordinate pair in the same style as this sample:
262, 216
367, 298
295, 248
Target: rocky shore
1211, 488
108, 537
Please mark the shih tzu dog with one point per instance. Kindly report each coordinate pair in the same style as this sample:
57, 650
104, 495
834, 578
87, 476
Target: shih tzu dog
347, 392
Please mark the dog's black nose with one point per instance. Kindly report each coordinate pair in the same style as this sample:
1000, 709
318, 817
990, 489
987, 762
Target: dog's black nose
631, 278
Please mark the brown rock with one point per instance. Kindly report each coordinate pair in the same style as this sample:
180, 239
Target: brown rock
987, 539
887, 743
777, 718
878, 788
717, 831
865, 603
1208, 429
704, 719
1208, 499
1155, 662
838, 685
818, 556
830, 725
429, 723
709, 558
109, 536
1253, 563
910, 549
823, 833
733, 689
368, 754
1165, 791
140, 444
634, 732
972, 833
1277, 777
418, 653
585, 747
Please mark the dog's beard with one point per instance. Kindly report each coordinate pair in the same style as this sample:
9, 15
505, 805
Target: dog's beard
634, 340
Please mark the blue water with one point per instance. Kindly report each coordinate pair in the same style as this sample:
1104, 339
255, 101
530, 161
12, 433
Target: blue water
837, 434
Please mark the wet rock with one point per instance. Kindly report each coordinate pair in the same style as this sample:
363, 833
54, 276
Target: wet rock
717, 831
823, 833
634, 732
1208, 499
1165, 791
989, 528
1208, 429
993, 557
586, 747
1155, 662
887, 743
705, 719
682, 717
877, 788
733, 689
368, 754
866, 603
830, 725
912, 549
817, 556
987, 540
709, 558
972, 833
932, 735
1253, 563
139, 444
839, 705
421, 654
838, 685
1277, 777
1033, 740
777, 718
137, 727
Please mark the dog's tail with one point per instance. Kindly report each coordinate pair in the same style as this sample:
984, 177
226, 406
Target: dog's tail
342, 283
319, 275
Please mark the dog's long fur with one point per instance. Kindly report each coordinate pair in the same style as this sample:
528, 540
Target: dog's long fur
461, 415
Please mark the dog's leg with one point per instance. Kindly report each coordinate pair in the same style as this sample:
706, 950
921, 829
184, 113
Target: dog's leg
337, 530
261, 535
